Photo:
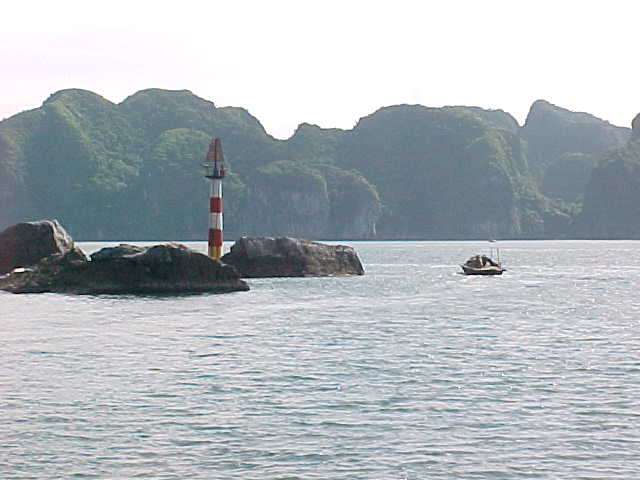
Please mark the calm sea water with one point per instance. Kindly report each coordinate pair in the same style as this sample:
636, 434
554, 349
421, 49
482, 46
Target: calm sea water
412, 371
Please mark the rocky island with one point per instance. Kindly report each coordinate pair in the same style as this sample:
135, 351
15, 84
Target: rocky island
41, 257
256, 257
38, 257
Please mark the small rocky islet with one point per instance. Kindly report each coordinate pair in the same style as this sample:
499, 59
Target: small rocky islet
38, 257
256, 257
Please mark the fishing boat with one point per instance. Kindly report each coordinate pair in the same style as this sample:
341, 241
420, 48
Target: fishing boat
482, 265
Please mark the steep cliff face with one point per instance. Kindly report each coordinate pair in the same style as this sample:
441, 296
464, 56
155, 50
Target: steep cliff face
551, 132
354, 204
8, 183
611, 204
289, 198
566, 177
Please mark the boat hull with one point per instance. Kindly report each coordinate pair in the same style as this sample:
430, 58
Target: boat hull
490, 270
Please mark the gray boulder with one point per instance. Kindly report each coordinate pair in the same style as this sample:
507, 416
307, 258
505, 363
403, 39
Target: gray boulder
256, 257
25, 244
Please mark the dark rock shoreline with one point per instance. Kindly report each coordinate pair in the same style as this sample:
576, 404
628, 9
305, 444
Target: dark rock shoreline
125, 269
42, 257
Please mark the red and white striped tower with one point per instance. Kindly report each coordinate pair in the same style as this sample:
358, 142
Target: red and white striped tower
214, 170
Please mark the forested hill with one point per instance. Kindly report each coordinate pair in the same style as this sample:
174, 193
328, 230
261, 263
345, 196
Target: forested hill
565, 146
133, 170
612, 195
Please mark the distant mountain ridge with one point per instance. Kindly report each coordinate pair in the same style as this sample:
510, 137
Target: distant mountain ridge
132, 170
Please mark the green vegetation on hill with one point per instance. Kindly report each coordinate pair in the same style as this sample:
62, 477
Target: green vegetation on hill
566, 178
441, 173
80, 153
496, 118
133, 170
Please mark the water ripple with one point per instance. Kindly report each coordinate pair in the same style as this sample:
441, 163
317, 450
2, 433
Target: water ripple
409, 372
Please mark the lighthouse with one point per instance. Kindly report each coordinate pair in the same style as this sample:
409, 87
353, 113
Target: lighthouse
214, 171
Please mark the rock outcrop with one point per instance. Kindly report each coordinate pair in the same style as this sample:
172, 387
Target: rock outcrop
126, 269
26, 243
256, 257
41, 257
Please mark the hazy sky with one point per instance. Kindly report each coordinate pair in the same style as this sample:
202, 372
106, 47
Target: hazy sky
328, 62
